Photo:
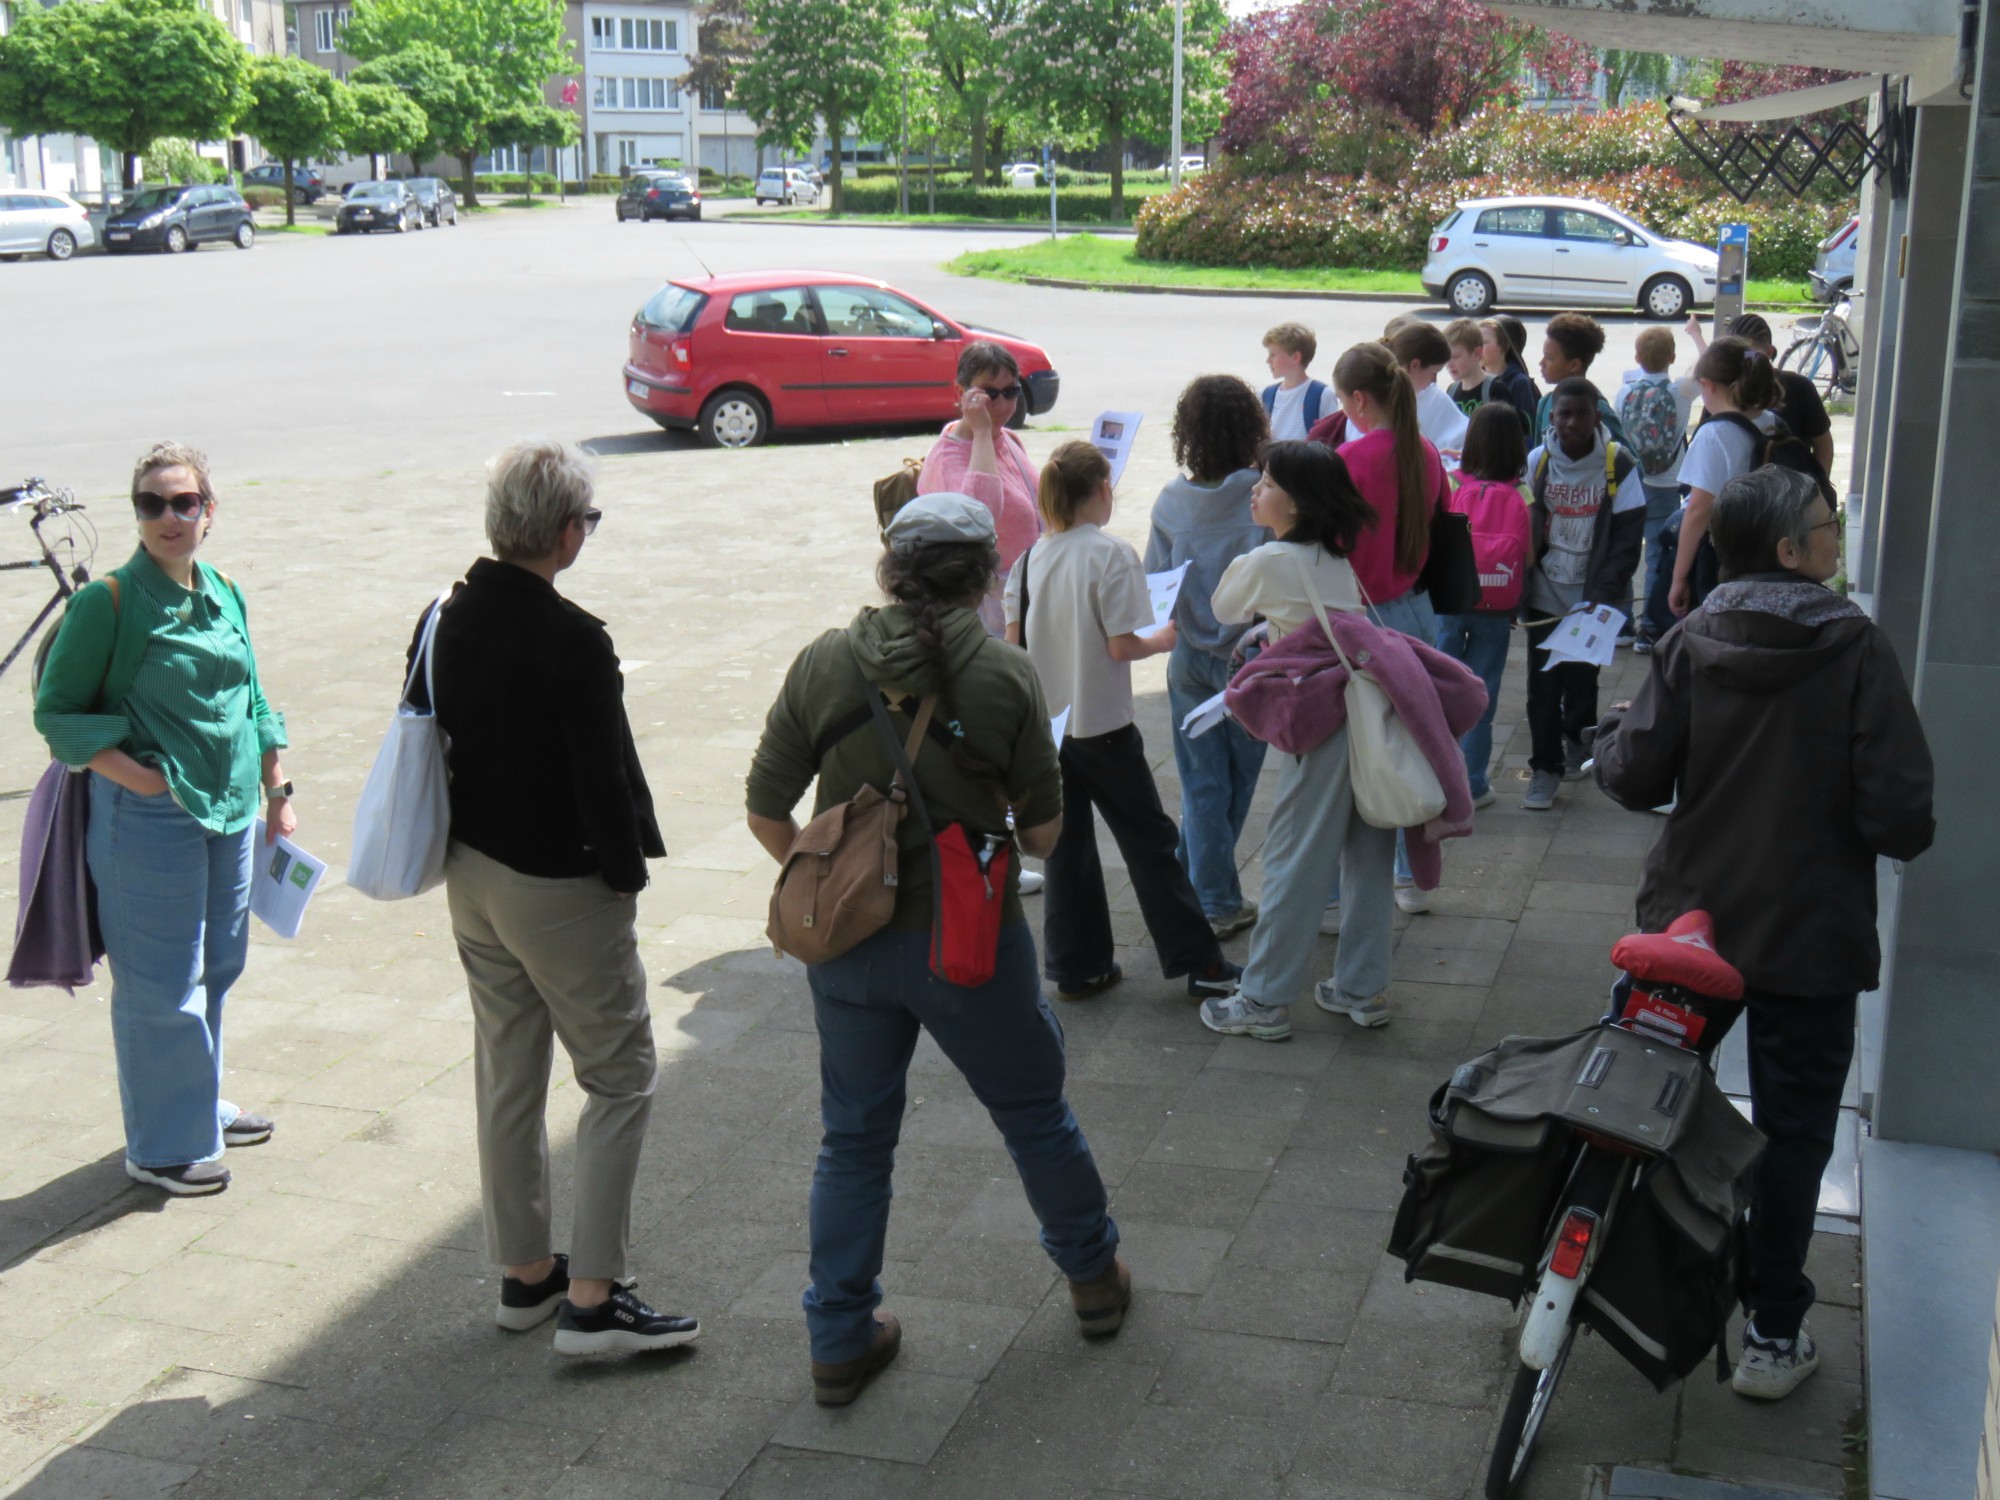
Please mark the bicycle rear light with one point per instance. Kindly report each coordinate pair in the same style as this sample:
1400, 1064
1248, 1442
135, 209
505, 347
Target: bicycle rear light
1572, 1243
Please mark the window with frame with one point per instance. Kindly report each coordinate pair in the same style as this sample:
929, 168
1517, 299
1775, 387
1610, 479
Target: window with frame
785, 310
868, 312
323, 28
1528, 221
1574, 224
713, 98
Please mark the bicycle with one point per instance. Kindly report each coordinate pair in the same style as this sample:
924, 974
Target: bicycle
1825, 350
67, 555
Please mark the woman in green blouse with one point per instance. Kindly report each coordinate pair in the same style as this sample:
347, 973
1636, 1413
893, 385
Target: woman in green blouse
152, 687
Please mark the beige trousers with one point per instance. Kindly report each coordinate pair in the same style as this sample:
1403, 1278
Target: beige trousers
547, 960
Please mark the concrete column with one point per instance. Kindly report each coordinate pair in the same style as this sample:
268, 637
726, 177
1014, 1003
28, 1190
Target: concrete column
1943, 1026
1937, 189
1876, 317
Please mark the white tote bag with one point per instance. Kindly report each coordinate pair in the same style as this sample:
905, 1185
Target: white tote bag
1394, 785
403, 821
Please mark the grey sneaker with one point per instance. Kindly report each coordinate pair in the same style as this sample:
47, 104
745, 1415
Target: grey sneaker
1771, 1369
1542, 789
1244, 916
1370, 1013
1576, 760
1239, 1015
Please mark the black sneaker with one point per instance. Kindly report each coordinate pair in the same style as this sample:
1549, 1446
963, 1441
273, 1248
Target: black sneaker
1219, 978
191, 1180
529, 1304
248, 1130
1576, 758
620, 1324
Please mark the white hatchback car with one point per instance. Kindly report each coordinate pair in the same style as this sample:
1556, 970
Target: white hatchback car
786, 185
37, 222
1021, 174
1562, 252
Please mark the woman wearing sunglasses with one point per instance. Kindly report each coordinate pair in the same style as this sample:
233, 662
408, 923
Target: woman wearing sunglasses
152, 686
978, 456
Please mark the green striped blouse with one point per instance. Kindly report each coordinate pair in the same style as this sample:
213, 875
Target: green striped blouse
193, 709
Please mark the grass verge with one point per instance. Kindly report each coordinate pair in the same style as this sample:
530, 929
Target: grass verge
1088, 257
295, 229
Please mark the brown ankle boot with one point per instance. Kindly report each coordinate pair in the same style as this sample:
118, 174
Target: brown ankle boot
838, 1384
1101, 1302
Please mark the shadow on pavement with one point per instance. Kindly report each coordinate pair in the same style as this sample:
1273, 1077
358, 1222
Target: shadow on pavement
82, 1199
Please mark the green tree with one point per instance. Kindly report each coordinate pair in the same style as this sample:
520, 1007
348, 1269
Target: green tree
382, 120
817, 62
125, 72
297, 111
172, 159
968, 45
455, 100
534, 125
1651, 70
1105, 68
510, 49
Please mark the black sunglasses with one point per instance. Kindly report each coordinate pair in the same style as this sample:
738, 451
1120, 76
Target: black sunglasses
186, 505
1000, 392
590, 518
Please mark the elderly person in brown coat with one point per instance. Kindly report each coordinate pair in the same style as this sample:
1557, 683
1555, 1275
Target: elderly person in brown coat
1776, 714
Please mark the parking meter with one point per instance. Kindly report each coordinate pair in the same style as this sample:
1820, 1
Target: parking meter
1732, 275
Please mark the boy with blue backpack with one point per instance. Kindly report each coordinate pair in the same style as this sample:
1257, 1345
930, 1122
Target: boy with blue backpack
1653, 408
1295, 402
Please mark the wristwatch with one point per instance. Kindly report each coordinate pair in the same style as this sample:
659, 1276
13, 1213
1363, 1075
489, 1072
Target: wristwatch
282, 789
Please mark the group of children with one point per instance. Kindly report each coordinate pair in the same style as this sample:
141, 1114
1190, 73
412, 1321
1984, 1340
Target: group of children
1311, 497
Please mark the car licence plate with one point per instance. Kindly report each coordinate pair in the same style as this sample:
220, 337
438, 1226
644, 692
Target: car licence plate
120, 234
638, 388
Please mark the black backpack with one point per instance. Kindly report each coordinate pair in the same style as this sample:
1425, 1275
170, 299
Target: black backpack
1785, 449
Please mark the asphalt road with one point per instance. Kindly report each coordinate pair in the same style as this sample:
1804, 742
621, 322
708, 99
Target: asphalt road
339, 358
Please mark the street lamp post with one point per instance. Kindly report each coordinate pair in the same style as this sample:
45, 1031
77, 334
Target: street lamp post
1174, 169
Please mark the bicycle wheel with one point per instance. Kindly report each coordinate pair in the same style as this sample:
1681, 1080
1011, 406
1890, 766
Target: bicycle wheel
1818, 361
1528, 1402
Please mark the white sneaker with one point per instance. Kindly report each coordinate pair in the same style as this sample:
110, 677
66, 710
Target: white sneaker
1369, 1013
1484, 799
1032, 881
1410, 899
1771, 1369
1329, 921
1238, 1015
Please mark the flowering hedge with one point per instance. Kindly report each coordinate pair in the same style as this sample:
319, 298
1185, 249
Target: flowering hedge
1626, 159
1073, 205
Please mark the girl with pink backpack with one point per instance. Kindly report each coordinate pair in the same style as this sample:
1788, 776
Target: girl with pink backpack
1489, 496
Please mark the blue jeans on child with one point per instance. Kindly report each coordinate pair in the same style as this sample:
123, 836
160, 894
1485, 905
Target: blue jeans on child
869, 1005
173, 901
1655, 619
1480, 641
1218, 772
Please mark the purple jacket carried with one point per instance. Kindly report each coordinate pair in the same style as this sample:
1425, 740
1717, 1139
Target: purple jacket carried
1294, 698
56, 939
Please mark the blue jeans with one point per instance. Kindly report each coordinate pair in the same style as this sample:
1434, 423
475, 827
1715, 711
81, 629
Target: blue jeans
1655, 619
1409, 614
173, 901
1218, 772
869, 1004
1480, 641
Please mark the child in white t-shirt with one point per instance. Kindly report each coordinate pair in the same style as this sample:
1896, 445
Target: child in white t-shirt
1422, 352
1078, 601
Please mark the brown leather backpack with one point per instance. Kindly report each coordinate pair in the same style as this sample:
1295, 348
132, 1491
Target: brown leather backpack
894, 491
837, 887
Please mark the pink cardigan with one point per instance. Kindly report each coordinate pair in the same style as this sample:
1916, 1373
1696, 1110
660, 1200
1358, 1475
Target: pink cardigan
1371, 460
1294, 698
1010, 494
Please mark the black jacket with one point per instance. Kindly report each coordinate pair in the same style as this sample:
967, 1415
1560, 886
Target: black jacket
544, 775
1778, 714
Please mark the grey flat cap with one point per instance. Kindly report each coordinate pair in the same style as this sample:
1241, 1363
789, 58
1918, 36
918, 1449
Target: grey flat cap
944, 517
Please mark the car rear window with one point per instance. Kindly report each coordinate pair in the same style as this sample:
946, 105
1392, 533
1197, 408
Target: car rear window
779, 310
673, 309
1513, 221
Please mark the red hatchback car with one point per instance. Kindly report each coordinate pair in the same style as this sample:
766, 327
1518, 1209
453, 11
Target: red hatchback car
737, 357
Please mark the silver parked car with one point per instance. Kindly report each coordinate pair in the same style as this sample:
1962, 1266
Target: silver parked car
39, 222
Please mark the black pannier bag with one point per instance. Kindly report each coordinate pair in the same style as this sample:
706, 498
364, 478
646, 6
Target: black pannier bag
1480, 1198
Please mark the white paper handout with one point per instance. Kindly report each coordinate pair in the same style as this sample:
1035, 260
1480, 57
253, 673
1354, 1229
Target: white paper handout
1165, 589
1059, 726
283, 878
1587, 635
1113, 434
1205, 716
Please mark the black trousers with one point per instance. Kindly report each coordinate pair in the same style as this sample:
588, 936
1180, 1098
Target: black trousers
1800, 1048
1561, 704
1109, 772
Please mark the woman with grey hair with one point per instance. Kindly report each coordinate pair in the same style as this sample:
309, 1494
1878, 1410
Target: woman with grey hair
152, 687
551, 828
1777, 714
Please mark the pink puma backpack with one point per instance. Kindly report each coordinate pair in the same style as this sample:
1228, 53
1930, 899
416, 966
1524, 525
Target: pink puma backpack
1498, 516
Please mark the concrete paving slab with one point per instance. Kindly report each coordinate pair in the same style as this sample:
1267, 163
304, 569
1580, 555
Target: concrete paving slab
904, 1420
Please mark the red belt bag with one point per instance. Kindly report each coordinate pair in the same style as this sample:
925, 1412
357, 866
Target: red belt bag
968, 883
971, 892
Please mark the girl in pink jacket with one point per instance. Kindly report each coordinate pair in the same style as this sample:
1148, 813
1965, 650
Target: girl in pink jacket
978, 456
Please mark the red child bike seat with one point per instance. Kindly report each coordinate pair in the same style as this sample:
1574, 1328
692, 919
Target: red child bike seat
1684, 955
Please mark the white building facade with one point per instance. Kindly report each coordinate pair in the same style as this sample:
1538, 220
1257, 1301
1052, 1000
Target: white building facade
636, 110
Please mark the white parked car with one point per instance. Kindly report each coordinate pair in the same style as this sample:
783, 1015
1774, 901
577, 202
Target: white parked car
1020, 174
1562, 252
1833, 270
38, 222
1189, 166
787, 185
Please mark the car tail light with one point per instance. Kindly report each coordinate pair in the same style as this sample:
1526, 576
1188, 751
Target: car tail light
1572, 1242
1438, 244
652, 192
681, 351
695, 197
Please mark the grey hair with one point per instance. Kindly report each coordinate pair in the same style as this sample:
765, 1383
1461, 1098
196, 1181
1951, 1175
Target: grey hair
174, 456
533, 491
1756, 511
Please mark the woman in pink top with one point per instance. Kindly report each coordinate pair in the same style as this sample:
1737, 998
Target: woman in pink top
978, 456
